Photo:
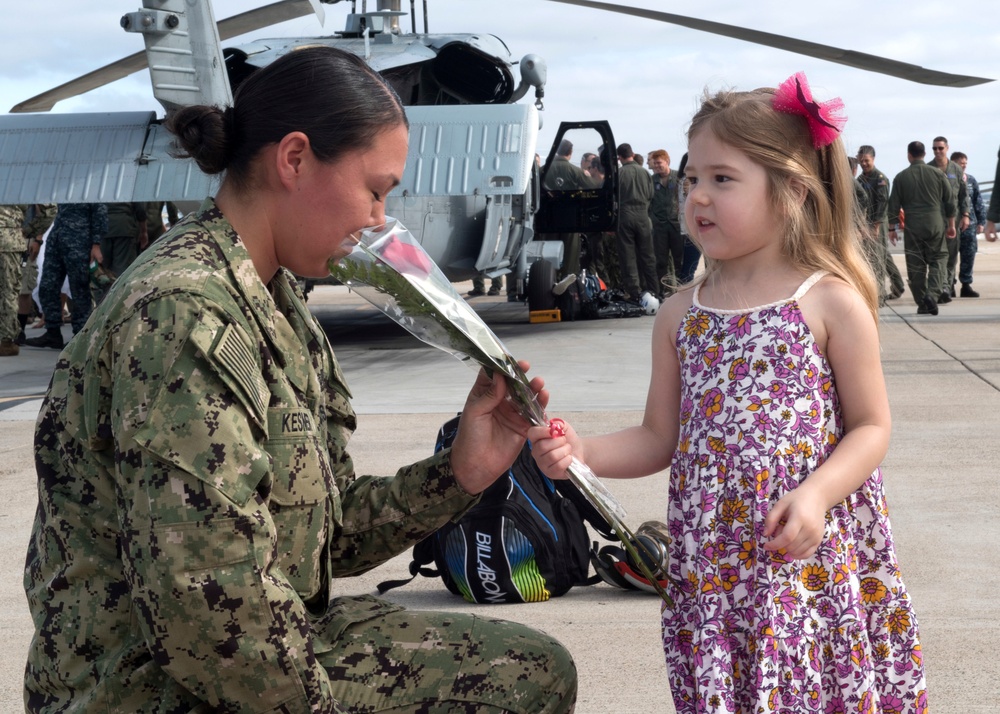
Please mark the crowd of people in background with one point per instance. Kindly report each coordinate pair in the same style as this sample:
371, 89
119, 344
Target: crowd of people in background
58, 262
939, 210
935, 206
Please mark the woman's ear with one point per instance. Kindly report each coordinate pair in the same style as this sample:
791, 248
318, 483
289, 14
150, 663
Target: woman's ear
292, 155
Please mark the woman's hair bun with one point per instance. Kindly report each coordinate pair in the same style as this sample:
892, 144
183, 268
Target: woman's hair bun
204, 134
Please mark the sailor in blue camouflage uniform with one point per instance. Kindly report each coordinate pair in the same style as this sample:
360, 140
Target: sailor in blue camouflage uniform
73, 242
197, 502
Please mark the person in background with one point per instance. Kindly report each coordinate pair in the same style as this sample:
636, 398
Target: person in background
668, 243
969, 238
17, 225
929, 204
127, 236
38, 220
154, 218
636, 256
692, 255
478, 285
74, 242
876, 187
563, 175
953, 173
993, 211
199, 509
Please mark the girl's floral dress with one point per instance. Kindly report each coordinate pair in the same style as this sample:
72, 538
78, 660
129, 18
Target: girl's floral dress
753, 631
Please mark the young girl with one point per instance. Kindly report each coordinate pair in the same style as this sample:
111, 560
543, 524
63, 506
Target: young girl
768, 404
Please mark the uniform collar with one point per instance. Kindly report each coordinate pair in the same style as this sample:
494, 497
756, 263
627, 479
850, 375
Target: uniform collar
268, 315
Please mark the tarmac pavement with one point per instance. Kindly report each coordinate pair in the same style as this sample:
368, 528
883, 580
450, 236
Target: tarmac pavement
943, 374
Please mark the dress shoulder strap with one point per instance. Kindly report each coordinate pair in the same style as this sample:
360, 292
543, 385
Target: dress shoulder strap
809, 282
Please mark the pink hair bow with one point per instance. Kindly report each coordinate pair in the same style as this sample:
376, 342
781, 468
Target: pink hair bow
825, 122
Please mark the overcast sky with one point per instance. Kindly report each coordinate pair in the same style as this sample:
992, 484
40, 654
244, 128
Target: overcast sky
643, 76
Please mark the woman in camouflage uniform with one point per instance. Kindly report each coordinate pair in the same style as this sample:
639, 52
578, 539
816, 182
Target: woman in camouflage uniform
196, 498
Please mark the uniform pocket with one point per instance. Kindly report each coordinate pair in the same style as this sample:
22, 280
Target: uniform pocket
300, 500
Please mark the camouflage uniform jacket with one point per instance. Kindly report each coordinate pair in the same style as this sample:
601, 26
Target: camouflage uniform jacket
77, 223
196, 495
11, 234
16, 230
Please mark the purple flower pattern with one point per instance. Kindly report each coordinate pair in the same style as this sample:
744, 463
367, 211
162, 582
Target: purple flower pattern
754, 631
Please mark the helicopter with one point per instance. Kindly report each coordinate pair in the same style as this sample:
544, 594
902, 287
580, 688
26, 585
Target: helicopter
471, 194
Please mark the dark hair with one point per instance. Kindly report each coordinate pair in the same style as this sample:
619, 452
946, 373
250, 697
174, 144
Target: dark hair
866, 150
683, 165
565, 148
625, 151
916, 149
940, 138
331, 96
956, 155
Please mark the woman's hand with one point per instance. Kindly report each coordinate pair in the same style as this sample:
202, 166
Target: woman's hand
491, 431
796, 523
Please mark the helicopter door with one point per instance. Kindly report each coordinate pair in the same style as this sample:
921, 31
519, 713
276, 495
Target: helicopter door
579, 199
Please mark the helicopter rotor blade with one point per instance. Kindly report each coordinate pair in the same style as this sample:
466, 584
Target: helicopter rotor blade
859, 60
234, 26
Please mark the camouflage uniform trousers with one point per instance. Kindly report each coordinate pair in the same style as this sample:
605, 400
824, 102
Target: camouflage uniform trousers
66, 255
10, 282
440, 662
29, 277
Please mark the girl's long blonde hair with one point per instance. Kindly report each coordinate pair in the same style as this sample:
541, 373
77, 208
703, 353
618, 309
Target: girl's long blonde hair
823, 230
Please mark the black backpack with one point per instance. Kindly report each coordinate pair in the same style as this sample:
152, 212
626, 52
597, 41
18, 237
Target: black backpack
525, 541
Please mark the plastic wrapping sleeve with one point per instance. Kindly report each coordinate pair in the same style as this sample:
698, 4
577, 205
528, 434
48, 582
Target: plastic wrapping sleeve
390, 269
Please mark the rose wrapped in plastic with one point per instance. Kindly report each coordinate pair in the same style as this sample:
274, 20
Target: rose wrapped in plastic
391, 270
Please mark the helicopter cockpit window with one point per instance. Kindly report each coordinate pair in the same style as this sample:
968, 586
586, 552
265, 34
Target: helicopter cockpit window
576, 164
467, 76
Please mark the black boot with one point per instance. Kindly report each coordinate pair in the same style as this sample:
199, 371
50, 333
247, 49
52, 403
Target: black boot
51, 338
967, 291
929, 307
22, 320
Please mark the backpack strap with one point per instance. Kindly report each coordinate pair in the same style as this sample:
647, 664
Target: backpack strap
586, 509
423, 555
415, 570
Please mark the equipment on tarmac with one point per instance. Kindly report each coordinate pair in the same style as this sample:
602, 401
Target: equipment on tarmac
526, 540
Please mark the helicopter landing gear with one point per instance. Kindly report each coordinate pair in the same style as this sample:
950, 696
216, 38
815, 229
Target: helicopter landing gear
541, 278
